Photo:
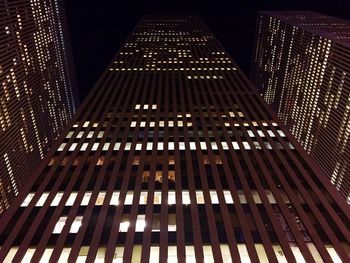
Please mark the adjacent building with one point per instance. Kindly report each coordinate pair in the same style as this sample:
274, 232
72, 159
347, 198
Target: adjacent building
174, 157
36, 87
301, 66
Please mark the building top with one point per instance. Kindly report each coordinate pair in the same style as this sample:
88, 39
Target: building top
333, 28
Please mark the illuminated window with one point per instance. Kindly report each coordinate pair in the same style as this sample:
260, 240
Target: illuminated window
62, 221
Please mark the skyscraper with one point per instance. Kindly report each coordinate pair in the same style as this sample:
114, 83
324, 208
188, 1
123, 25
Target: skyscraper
174, 157
36, 93
301, 66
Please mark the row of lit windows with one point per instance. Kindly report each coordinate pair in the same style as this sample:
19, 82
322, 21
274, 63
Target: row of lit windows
172, 253
161, 124
169, 69
171, 146
245, 124
205, 77
140, 224
157, 198
180, 124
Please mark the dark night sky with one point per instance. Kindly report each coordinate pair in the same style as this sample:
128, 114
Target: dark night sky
99, 28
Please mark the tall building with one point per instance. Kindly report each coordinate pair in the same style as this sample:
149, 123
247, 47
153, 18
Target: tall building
36, 93
301, 67
173, 157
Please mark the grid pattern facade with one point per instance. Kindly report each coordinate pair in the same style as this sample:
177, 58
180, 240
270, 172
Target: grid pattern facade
173, 157
36, 79
301, 67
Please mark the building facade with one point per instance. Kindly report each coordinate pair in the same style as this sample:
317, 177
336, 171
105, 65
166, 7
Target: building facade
36, 93
174, 157
301, 67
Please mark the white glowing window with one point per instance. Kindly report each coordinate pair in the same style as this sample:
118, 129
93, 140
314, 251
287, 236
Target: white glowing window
192, 145
171, 146
84, 146
214, 197
90, 134
224, 145
281, 133
138, 146
69, 135
186, 200
180, 123
59, 225
235, 145
61, 147
208, 254
100, 134
171, 124
246, 145
76, 224
71, 199
133, 124
171, 198
86, 199
56, 199
214, 146
160, 146
94, 146
27, 200
115, 198
149, 146
86, 124
116, 146
203, 145
143, 124
154, 106
161, 123
250, 133
128, 198
137, 106
140, 223
123, 226
261, 134
127, 146
228, 197
271, 133
106, 146
182, 145
42, 199
243, 253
